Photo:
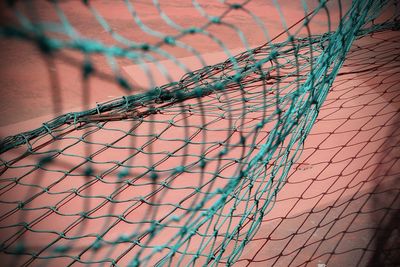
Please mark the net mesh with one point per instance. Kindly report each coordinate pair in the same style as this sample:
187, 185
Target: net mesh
185, 173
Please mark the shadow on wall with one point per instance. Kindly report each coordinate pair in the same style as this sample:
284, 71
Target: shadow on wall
386, 245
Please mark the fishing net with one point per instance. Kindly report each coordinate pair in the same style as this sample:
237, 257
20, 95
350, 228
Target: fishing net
186, 172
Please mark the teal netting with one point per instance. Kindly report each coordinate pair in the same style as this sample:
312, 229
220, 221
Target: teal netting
179, 174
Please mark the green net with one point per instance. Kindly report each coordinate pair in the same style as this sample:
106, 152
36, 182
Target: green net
176, 174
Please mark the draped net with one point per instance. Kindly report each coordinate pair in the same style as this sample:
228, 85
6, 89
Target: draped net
182, 173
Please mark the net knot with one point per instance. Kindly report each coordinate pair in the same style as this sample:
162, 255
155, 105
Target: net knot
170, 40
